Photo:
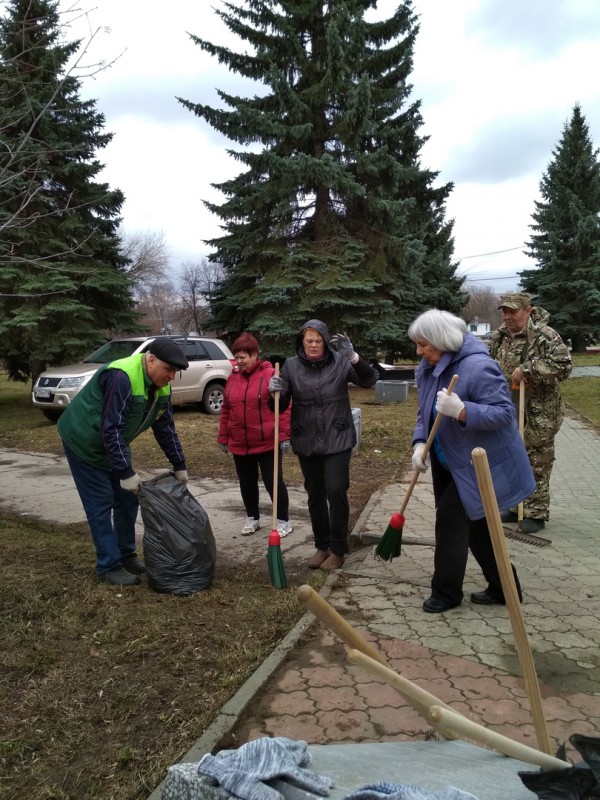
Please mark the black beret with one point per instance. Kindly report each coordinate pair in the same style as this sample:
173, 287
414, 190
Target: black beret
169, 352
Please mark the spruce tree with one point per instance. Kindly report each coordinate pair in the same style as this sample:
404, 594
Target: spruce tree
566, 238
62, 278
333, 216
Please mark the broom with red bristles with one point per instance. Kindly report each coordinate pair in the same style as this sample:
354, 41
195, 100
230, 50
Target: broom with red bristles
390, 544
274, 557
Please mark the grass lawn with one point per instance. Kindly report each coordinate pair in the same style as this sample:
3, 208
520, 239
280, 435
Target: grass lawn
582, 395
588, 359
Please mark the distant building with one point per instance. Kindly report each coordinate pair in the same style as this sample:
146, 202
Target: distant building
478, 328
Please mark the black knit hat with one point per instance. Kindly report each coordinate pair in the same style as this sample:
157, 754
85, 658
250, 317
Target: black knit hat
169, 352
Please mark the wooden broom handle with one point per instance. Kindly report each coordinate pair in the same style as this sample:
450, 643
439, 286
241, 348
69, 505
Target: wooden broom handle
428, 443
276, 452
509, 588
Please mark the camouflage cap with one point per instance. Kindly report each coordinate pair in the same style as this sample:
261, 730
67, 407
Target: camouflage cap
515, 300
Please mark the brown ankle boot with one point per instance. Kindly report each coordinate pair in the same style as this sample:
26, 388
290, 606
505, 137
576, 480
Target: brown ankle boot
314, 562
333, 562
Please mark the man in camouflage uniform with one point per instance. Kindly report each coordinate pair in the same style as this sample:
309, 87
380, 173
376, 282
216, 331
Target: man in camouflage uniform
528, 349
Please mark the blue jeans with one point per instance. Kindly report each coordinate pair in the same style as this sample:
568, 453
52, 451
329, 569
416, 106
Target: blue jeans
111, 512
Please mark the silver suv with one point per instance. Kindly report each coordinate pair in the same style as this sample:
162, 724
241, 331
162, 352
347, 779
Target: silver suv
210, 364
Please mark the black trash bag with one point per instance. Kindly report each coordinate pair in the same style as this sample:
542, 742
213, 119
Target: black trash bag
179, 546
588, 748
579, 782
576, 783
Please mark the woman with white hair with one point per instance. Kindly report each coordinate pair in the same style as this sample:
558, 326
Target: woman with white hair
479, 413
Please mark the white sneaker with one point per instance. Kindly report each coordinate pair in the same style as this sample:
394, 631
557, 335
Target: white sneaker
284, 527
251, 526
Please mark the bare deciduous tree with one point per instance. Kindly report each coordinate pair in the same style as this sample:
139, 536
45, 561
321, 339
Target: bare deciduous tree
21, 165
196, 284
148, 255
159, 308
483, 304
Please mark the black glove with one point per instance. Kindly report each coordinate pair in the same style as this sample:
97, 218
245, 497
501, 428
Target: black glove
343, 345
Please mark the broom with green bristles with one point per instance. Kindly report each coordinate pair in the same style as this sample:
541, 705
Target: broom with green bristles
390, 544
274, 557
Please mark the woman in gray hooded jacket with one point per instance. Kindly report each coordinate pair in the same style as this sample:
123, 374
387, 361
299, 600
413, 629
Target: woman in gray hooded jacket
322, 432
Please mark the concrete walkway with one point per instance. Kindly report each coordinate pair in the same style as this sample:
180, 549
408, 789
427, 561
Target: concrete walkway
40, 485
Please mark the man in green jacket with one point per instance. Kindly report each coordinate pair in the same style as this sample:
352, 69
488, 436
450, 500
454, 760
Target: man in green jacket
529, 350
123, 399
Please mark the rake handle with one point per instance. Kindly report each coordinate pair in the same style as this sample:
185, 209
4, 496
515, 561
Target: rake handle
448, 721
420, 699
335, 622
428, 443
522, 432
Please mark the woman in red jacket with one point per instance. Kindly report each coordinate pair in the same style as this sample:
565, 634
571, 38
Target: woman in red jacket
247, 431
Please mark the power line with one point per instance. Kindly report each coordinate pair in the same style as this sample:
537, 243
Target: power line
493, 253
494, 278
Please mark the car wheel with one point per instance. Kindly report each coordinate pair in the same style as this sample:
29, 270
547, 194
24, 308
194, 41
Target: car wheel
212, 399
53, 416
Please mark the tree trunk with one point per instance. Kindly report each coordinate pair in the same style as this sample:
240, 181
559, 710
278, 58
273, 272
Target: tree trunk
579, 343
37, 367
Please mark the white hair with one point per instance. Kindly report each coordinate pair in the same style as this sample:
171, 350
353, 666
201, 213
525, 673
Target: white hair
440, 328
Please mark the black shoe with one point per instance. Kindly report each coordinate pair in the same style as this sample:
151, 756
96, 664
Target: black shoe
532, 525
119, 577
434, 606
486, 599
509, 516
134, 565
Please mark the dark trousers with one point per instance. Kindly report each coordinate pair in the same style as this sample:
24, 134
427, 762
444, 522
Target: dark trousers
247, 471
327, 480
111, 512
455, 535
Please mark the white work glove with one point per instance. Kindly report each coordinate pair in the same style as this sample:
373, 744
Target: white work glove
275, 384
224, 449
131, 484
341, 343
450, 405
420, 464
181, 475
285, 447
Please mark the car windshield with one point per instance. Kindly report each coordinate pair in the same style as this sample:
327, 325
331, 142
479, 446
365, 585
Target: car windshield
111, 351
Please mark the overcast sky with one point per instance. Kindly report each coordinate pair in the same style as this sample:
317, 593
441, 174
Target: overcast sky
497, 80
